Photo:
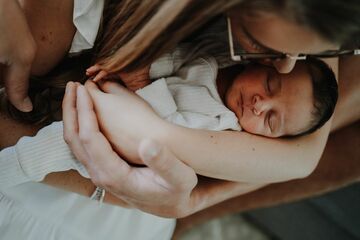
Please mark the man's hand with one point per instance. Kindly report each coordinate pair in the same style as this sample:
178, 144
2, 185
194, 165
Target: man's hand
164, 187
17, 52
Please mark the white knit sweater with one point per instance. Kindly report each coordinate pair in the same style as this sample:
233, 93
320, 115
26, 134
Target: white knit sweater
184, 94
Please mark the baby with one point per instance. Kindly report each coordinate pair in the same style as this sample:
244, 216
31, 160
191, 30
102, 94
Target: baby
254, 98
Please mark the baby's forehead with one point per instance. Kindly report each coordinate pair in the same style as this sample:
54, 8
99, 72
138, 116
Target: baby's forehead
300, 72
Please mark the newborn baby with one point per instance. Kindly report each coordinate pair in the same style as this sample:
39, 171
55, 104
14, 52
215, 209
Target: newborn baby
255, 98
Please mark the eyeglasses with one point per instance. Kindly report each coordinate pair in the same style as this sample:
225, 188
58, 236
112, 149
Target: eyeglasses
275, 56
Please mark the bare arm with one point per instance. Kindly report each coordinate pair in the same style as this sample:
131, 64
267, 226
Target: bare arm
248, 158
236, 156
227, 155
179, 193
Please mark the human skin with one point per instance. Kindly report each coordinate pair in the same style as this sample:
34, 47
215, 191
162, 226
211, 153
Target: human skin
219, 190
271, 104
53, 36
17, 52
266, 32
347, 116
235, 163
338, 167
341, 174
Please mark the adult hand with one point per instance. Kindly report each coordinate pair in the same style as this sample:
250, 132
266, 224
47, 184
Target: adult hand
17, 51
125, 118
164, 187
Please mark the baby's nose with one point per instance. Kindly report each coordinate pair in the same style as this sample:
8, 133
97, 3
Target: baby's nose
259, 105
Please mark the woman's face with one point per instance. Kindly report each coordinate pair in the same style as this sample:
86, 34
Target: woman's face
268, 32
269, 103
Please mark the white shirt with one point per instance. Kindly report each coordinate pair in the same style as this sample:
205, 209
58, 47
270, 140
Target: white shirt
185, 93
34, 211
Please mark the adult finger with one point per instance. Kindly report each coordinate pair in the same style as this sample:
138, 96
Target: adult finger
106, 165
85, 110
71, 129
92, 87
16, 86
69, 109
167, 165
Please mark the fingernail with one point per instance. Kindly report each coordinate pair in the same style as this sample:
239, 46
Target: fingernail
26, 105
68, 86
149, 149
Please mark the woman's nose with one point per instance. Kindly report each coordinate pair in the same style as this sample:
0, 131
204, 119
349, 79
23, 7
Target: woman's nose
285, 65
260, 105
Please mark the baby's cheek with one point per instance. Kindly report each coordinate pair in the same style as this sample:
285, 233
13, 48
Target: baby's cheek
251, 125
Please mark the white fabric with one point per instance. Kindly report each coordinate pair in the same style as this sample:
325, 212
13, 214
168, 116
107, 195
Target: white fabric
34, 211
86, 17
32, 158
189, 96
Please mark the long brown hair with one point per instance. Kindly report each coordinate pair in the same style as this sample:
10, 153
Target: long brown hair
139, 31
135, 32
132, 34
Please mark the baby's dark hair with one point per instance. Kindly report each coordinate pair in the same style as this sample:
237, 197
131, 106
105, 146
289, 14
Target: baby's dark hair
325, 93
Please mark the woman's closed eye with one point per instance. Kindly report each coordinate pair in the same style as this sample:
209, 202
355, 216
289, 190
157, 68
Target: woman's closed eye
254, 45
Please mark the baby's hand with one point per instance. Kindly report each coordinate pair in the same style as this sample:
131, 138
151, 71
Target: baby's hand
96, 73
134, 80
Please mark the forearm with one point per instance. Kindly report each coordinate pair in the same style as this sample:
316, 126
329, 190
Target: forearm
236, 156
338, 167
248, 158
211, 191
244, 157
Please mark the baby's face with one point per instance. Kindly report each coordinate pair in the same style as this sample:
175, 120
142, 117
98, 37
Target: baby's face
271, 104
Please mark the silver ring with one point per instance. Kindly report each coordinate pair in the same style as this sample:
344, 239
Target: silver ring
98, 195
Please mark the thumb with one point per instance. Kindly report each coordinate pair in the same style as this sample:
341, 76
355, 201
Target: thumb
93, 89
102, 102
167, 165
